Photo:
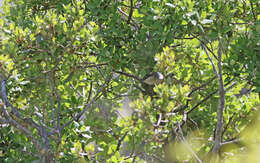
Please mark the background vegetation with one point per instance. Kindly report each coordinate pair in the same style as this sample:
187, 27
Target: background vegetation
69, 68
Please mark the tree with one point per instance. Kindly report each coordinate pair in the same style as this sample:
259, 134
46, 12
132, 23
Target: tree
67, 65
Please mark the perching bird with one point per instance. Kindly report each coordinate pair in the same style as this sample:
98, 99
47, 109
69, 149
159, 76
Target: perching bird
149, 81
153, 78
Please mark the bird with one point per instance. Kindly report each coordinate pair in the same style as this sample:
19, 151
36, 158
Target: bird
153, 78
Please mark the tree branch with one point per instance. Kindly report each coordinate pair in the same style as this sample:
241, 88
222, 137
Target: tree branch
121, 140
133, 23
131, 12
211, 61
42, 132
129, 75
203, 85
6, 102
211, 94
189, 95
202, 101
204, 45
228, 123
23, 129
58, 100
219, 125
253, 11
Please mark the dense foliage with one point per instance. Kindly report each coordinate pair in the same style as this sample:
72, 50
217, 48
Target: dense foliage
69, 69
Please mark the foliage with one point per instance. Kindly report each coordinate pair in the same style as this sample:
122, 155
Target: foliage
68, 66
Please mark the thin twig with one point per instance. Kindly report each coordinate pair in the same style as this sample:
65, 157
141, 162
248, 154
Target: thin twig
158, 158
211, 94
203, 85
205, 45
231, 141
131, 11
253, 11
134, 24
121, 140
159, 120
211, 61
100, 72
202, 101
228, 123
90, 91
129, 75
193, 122
189, 95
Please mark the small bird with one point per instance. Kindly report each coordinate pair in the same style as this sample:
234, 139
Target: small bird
153, 78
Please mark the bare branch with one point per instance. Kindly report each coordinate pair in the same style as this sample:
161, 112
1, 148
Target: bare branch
193, 122
131, 12
211, 94
133, 23
202, 101
204, 44
90, 91
121, 140
31, 154
253, 11
228, 123
231, 141
203, 85
211, 61
100, 72
10, 120
221, 105
23, 129
5, 100
157, 158
159, 120
87, 65
232, 145
129, 75
189, 95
